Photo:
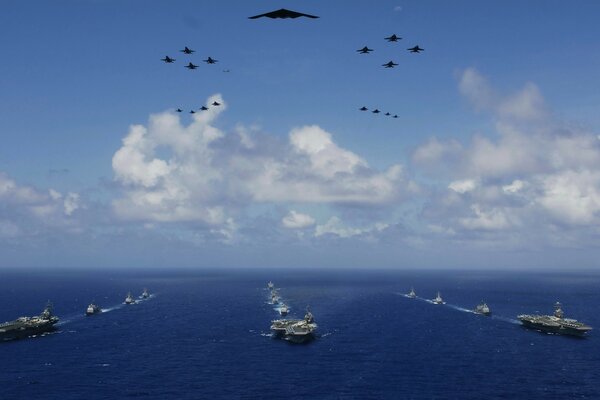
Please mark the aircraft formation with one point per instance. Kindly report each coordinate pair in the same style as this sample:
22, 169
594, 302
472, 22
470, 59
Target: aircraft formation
285, 14
376, 111
192, 66
391, 39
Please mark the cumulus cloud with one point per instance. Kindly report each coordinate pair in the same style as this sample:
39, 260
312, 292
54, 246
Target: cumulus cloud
26, 210
170, 172
531, 173
335, 226
296, 220
463, 186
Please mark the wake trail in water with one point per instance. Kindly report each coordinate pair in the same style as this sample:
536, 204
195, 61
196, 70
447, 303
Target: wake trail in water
506, 319
458, 308
462, 309
75, 317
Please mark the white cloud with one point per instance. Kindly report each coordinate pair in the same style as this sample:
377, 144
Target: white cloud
490, 219
335, 226
463, 186
514, 187
71, 203
531, 173
25, 210
572, 196
196, 173
296, 220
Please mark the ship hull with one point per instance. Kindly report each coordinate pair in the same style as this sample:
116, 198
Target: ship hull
560, 330
9, 333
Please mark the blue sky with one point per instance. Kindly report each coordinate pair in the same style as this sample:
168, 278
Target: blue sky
491, 163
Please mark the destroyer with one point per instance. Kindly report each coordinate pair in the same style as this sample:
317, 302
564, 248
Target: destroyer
555, 323
438, 299
129, 299
27, 326
93, 309
145, 294
482, 309
412, 293
295, 330
270, 285
283, 310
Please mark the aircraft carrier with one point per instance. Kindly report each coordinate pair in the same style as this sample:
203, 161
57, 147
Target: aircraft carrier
295, 330
555, 323
28, 326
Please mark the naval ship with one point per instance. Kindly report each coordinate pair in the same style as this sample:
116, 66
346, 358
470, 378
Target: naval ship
438, 299
295, 330
555, 323
412, 293
145, 294
27, 326
482, 309
92, 309
129, 299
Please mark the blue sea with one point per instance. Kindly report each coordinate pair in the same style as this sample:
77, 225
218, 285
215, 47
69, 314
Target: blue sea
204, 334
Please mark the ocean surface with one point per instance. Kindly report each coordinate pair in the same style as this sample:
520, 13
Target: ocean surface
205, 335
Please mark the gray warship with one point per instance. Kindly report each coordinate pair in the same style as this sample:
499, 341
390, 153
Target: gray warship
92, 309
145, 294
555, 323
129, 299
295, 330
483, 309
28, 326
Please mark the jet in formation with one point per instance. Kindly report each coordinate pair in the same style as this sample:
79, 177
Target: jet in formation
203, 108
179, 110
216, 103
390, 64
363, 108
210, 60
395, 116
168, 59
376, 111
364, 50
191, 66
283, 13
393, 38
415, 49
192, 112
388, 114
187, 50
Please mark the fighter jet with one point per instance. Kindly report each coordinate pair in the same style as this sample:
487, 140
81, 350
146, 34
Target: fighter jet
388, 114
364, 50
203, 108
393, 38
363, 108
168, 59
192, 112
283, 13
376, 111
390, 64
415, 49
216, 103
179, 110
191, 66
186, 50
395, 116
210, 61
